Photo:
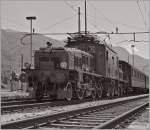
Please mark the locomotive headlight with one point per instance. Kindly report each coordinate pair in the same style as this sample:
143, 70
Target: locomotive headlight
63, 65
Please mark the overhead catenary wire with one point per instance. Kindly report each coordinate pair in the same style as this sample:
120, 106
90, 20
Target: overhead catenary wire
106, 18
141, 14
71, 6
144, 6
59, 22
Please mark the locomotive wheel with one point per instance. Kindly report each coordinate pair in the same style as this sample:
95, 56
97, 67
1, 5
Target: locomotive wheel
116, 91
99, 90
109, 92
69, 93
80, 93
113, 89
39, 91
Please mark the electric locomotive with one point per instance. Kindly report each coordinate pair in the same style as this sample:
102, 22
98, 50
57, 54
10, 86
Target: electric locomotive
62, 73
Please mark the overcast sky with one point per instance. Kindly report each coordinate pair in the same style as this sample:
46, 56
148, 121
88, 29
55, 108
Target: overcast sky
61, 16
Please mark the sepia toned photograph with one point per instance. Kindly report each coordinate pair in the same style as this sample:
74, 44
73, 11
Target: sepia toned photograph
75, 64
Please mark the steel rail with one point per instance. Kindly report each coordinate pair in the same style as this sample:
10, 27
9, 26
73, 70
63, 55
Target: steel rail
112, 123
9, 103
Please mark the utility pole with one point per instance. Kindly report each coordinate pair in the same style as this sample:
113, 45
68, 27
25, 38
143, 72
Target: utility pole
85, 19
31, 18
79, 27
132, 46
21, 69
21, 61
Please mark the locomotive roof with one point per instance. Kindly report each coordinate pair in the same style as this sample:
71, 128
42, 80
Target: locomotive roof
68, 49
76, 51
89, 37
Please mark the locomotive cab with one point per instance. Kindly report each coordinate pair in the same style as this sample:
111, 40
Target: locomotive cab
53, 59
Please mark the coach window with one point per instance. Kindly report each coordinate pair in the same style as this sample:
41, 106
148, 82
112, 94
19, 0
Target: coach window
76, 61
107, 55
113, 59
133, 73
120, 66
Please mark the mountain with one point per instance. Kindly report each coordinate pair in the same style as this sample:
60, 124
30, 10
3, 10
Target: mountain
11, 50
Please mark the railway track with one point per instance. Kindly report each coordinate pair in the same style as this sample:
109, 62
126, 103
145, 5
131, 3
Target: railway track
20, 106
21, 102
15, 106
106, 115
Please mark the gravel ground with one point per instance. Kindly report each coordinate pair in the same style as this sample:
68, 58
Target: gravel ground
142, 121
51, 110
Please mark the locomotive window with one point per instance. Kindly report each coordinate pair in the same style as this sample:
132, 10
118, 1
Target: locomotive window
85, 60
77, 61
44, 58
56, 62
91, 62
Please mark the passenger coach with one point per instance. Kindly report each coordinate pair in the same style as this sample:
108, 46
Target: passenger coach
137, 81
